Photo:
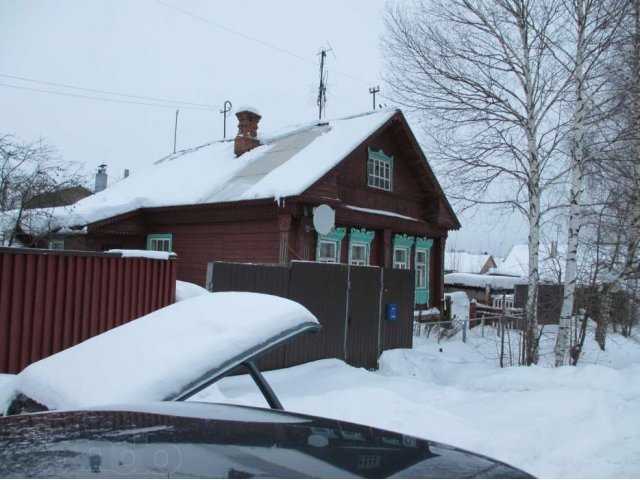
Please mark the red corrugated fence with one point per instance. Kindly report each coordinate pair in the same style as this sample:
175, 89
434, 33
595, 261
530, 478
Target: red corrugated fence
52, 300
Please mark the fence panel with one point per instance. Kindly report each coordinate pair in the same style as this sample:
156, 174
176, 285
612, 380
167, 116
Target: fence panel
269, 279
322, 288
346, 300
364, 315
398, 288
51, 300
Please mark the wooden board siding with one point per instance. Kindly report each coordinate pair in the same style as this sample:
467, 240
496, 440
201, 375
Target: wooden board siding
198, 244
348, 181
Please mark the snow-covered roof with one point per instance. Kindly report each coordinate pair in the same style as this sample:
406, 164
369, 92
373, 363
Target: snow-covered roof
465, 262
551, 262
159, 355
285, 164
481, 281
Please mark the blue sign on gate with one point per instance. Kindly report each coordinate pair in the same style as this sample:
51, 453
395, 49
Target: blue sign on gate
392, 312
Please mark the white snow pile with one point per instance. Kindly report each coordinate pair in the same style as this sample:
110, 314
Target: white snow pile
187, 290
483, 281
459, 305
153, 254
568, 422
158, 355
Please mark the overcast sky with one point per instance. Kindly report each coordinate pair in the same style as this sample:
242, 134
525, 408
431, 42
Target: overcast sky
258, 53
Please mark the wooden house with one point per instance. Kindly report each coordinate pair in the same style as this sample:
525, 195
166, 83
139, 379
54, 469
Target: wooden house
465, 262
252, 199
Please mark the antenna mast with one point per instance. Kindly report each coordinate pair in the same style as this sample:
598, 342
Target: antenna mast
225, 112
175, 132
373, 91
322, 89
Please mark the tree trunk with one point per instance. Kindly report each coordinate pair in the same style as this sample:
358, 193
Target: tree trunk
575, 206
605, 314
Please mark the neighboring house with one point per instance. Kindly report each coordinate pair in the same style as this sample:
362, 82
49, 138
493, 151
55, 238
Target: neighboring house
59, 198
36, 215
481, 287
465, 262
252, 199
550, 265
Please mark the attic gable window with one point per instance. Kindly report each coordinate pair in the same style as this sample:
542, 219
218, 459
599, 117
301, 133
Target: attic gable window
160, 242
379, 170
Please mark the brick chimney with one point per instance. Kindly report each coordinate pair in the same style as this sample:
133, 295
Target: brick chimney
247, 137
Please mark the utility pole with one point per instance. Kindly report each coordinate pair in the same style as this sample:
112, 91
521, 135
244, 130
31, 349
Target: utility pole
175, 132
322, 89
373, 91
225, 112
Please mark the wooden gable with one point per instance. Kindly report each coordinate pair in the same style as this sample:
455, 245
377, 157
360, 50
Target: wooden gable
415, 192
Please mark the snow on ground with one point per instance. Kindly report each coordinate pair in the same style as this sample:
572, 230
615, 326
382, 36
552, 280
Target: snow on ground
569, 422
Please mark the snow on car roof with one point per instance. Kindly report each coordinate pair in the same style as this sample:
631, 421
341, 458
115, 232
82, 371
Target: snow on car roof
157, 356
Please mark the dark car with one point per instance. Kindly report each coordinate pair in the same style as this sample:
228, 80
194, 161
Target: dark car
93, 410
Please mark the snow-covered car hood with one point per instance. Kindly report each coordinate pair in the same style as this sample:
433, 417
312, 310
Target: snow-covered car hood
164, 354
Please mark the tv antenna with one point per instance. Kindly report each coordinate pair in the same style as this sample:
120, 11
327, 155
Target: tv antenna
175, 132
322, 89
373, 91
225, 113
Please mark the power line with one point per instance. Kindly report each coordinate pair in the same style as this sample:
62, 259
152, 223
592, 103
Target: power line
115, 100
107, 92
257, 40
235, 32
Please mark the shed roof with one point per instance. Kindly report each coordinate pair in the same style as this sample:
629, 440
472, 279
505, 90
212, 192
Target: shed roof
465, 262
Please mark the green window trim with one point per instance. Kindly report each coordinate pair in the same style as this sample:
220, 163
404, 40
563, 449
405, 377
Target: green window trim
382, 178
160, 236
361, 237
336, 235
424, 243
403, 241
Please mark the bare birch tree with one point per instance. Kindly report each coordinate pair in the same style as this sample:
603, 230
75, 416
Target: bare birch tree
621, 174
26, 171
593, 27
481, 76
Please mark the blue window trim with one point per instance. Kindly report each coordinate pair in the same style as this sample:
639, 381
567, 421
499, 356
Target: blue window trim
160, 236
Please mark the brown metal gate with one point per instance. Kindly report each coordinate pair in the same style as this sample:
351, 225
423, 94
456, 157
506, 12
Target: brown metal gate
349, 301
364, 316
